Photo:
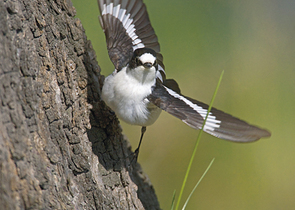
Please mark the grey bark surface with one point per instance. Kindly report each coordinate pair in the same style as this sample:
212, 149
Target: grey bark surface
60, 146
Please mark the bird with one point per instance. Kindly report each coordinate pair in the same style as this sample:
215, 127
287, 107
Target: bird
138, 90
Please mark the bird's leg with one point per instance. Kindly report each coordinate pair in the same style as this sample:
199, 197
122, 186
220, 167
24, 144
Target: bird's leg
143, 130
135, 154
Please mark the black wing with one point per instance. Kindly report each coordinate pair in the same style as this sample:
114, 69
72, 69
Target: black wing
193, 113
127, 27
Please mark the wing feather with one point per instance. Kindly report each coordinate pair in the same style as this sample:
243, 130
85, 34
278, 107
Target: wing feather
127, 27
193, 112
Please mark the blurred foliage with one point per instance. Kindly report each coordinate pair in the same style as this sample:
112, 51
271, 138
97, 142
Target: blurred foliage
253, 41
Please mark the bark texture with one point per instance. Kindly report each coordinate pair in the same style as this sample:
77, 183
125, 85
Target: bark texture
60, 146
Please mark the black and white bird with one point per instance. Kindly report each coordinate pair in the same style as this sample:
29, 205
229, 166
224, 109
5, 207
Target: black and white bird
137, 91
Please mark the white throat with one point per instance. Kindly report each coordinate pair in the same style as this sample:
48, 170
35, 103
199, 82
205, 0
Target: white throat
145, 76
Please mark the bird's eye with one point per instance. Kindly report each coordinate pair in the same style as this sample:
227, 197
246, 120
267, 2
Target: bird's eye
138, 62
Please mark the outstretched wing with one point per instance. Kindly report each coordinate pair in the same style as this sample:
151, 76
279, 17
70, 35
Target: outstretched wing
127, 27
193, 113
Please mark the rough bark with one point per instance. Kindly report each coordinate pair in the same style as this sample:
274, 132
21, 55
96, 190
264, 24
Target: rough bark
60, 146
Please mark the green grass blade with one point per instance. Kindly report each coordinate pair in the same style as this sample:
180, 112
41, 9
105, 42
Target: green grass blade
197, 143
190, 195
173, 200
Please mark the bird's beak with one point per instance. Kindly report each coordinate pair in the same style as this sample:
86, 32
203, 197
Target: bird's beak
147, 65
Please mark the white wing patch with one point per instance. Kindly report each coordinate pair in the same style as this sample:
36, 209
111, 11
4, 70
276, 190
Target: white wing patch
158, 74
125, 19
211, 122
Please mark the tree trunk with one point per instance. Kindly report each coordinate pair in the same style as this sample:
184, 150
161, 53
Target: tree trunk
60, 146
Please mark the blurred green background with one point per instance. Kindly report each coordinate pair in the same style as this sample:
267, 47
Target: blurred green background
254, 42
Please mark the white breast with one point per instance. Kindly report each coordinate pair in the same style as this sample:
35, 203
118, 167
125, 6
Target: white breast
126, 94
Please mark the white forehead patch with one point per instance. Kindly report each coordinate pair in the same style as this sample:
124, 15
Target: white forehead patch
147, 58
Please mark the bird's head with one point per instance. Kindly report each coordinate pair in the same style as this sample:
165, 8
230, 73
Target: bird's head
143, 64
144, 57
